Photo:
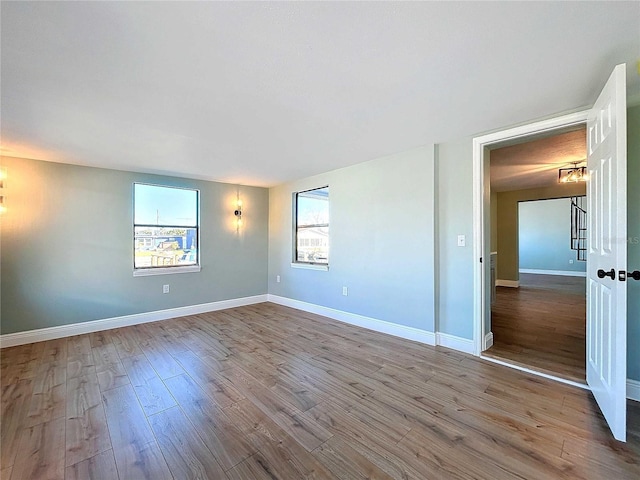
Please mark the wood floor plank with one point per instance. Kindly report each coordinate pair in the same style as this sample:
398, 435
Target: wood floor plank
26, 361
303, 429
40, 453
163, 363
277, 451
55, 351
345, 462
144, 462
151, 391
109, 369
127, 423
49, 394
125, 343
182, 447
99, 467
219, 433
14, 407
79, 357
86, 426
134, 445
542, 325
216, 385
266, 391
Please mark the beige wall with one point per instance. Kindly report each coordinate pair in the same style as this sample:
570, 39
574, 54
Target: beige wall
506, 225
494, 220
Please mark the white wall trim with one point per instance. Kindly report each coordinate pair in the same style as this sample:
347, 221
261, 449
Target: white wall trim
50, 333
633, 390
507, 283
382, 326
564, 273
456, 343
488, 341
480, 143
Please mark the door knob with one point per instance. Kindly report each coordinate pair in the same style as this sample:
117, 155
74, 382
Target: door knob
611, 273
635, 275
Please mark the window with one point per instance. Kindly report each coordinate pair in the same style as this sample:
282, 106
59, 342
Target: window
165, 229
312, 227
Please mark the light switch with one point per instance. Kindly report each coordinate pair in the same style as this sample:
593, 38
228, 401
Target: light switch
462, 241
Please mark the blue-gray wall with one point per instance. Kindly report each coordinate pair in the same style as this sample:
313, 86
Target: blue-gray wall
67, 246
381, 241
544, 233
394, 225
455, 217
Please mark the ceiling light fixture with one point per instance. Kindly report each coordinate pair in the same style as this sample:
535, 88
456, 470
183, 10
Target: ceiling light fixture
573, 174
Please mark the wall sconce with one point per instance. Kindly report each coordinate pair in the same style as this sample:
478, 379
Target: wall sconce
238, 213
573, 174
3, 177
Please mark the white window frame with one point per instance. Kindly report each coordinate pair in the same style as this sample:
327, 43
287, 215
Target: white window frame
295, 263
173, 269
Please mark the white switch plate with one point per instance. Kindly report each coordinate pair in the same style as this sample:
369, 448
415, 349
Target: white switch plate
462, 240
165, 289
277, 278
345, 291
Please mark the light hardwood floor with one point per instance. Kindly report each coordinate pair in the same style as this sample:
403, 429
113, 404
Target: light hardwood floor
542, 325
268, 392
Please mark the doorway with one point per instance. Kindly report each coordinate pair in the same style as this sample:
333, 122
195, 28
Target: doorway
606, 341
541, 325
482, 146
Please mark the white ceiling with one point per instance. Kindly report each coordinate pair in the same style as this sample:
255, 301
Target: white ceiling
262, 93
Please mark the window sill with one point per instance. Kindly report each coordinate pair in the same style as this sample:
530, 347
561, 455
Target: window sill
310, 266
146, 272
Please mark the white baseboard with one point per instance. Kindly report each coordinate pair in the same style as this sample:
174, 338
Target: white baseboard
507, 283
633, 390
455, 343
382, 326
50, 333
563, 273
488, 341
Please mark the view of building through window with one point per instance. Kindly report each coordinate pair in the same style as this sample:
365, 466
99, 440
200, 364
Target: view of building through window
165, 226
312, 226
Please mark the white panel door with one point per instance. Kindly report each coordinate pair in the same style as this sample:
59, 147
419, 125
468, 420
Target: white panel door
607, 251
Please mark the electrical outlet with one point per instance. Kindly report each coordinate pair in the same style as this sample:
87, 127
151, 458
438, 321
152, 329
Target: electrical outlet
165, 289
571, 261
345, 291
277, 278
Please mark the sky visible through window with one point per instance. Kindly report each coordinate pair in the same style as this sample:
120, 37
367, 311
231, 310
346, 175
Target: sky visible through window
156, 205
313, 207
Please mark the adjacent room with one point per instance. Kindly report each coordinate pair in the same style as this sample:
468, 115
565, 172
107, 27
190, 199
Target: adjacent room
256, 240
538, 254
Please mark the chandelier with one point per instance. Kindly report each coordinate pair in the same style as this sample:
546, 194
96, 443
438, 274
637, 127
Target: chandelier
573, 174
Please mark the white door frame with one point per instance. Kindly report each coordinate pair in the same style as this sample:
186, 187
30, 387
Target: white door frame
481, 245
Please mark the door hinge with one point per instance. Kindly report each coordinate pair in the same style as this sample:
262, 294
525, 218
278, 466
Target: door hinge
480, 259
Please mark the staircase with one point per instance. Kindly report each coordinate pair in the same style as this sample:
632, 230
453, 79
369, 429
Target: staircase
579, 227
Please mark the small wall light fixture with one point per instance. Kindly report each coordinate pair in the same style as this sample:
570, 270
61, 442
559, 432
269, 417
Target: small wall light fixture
573, 174
3, 177
238, 213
